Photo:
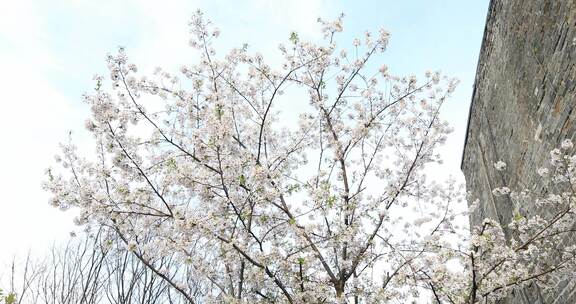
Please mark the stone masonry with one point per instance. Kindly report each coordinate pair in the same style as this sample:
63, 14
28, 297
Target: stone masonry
522, 107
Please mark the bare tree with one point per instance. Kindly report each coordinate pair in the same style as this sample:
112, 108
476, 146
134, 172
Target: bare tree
91, 269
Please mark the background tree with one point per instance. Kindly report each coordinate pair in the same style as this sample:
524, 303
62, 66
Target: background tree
90, 269
334, 208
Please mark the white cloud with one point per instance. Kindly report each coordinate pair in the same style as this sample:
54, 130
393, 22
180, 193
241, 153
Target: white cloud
32, 113
19, 21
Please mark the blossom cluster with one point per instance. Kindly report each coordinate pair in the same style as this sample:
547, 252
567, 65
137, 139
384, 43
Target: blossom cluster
335, 209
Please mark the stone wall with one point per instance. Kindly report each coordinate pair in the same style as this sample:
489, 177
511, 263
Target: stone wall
522, 107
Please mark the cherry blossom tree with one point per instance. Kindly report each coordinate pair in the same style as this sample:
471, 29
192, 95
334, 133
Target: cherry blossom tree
334, 208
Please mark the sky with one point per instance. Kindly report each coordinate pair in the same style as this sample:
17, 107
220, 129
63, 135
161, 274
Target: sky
50, 50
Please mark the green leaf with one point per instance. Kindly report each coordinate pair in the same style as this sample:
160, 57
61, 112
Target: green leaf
51, 177
294, 37
292, 221
10, 299
301, 261
264, 218
219, 111
293, 188
330, 201
242, 180
123, 190
245, 215
171, 163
